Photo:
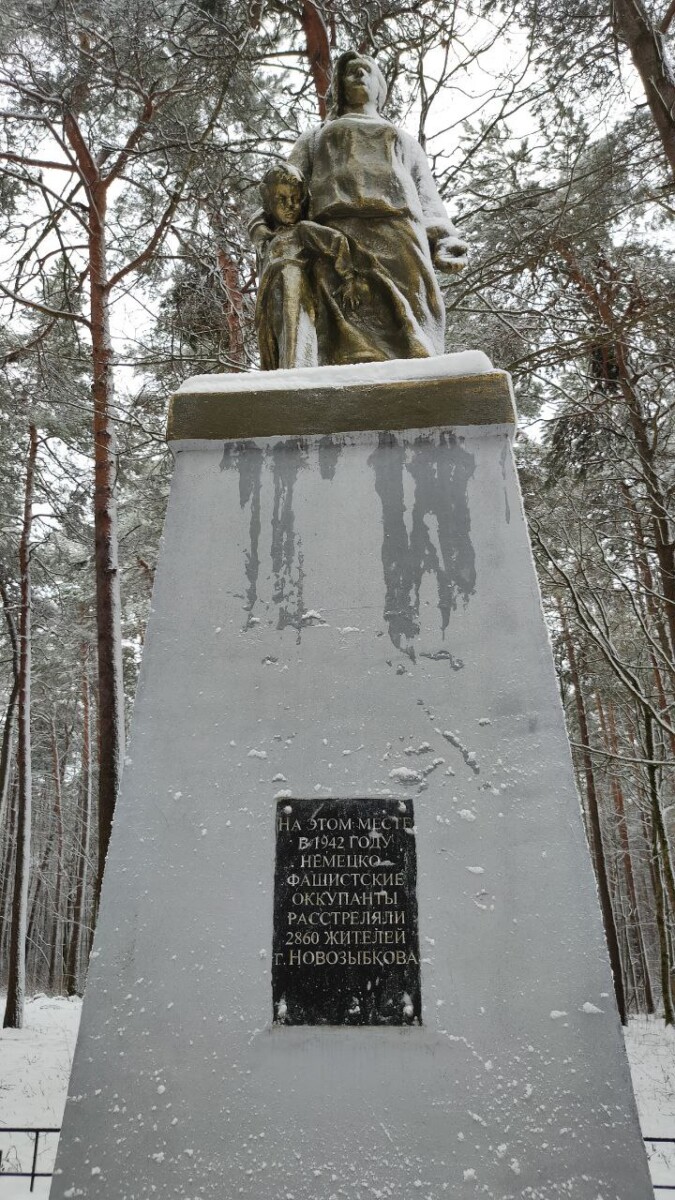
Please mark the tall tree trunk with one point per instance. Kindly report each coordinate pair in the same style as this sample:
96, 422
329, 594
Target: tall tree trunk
597, 848
629, 969
7, 873
657, 812
234, 299
16, 982
662, 929
661, 906
608, 725
34, 909
643, 570
650, 1004
8, 726
656, 900
40, 875
318, 51
650, 58
74, 949
663, 542
6, 748
108, 615
56, 940
233, 307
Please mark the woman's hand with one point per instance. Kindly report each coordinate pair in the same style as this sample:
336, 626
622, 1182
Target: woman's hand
450, 254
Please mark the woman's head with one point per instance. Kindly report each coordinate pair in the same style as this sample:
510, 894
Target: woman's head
284, 195
356, 79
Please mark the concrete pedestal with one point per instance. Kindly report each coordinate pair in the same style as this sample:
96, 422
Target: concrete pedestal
346, 607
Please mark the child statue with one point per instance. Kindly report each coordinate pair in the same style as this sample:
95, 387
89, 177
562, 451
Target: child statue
300, 262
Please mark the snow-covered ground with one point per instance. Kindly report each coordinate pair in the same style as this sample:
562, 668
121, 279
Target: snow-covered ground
34, 1070
35, 1064
651, 1054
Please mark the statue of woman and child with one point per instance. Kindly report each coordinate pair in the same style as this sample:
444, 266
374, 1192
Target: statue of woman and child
350, 231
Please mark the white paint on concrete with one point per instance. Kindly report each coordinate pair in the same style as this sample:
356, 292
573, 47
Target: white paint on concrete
416, 545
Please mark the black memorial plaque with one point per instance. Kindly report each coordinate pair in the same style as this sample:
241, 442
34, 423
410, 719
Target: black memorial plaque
346, 944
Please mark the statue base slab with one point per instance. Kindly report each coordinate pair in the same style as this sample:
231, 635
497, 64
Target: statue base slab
453, 389
347, 620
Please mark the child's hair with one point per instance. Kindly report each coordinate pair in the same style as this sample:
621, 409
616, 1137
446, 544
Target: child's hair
282, 173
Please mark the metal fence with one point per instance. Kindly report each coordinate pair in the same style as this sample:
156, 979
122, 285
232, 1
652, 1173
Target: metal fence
31, 1131
34, 1174
656, 1141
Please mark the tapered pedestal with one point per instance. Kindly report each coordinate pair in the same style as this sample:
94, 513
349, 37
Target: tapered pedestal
346, 610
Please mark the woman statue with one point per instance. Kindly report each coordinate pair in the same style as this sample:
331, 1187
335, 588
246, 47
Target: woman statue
370, 293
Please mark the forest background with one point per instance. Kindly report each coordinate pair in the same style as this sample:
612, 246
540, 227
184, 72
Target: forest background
133, 137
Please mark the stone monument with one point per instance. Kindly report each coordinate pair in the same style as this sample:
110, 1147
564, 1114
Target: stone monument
349, 942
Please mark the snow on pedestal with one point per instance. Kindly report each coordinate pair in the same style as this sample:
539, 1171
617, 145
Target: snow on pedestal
350, 612
444, 366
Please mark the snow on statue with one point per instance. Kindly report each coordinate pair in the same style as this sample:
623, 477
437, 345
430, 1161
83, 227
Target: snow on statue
348, 236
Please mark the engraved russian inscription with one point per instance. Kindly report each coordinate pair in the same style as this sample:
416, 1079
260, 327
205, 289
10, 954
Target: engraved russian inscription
346, 944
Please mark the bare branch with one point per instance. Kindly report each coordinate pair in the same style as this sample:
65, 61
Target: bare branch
44, 308
41, 163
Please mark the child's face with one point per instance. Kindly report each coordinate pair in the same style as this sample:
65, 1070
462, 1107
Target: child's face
287, 203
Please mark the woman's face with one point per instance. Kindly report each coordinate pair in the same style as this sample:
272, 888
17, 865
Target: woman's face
360, 82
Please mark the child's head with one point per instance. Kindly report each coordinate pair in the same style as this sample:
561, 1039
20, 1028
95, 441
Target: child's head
284, 195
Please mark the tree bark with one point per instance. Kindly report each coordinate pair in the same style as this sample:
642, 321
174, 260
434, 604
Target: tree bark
644, 573
597, 848
108, 616
56, 946
233, 307
8, 728
655, 870
74, 948
7, 873
663, 541
16, 983
662, 929
6, 749
39, 888
608, 726
647, 49
661, 835
318, 51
